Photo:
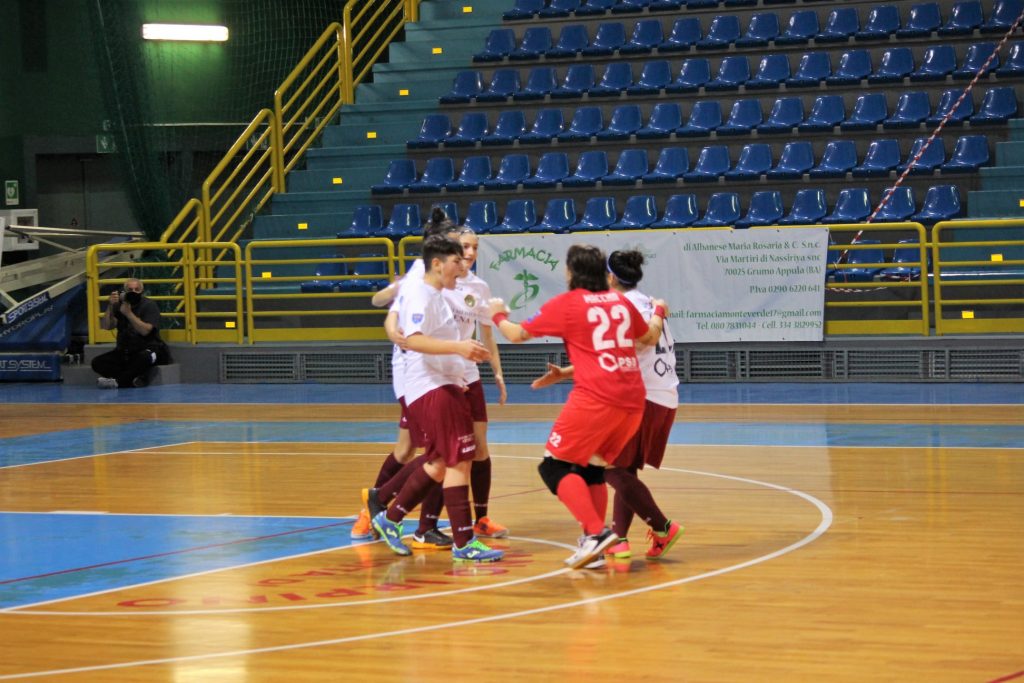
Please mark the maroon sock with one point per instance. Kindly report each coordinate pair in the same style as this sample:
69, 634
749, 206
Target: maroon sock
622, 516
456, 499
390, 489
480, 481
599, 496
414, 491
389, 469
637, 497
574, 494
430, 510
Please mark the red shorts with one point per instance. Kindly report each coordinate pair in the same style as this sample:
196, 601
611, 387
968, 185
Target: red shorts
647, 447
447, 426
586, 427
477, 402
415, 435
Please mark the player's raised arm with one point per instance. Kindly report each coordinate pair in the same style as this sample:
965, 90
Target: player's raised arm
513, 332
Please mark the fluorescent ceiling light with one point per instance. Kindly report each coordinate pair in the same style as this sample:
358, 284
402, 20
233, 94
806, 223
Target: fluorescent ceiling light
198, 32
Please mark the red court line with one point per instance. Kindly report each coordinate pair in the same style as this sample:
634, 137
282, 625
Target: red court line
174, 552
1019, 674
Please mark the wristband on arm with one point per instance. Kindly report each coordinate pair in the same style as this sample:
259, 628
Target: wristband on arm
660, 312
498, 318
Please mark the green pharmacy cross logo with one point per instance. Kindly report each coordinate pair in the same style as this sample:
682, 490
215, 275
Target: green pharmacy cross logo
529, 293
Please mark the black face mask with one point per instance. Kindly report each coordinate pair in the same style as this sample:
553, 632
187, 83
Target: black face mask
133, 298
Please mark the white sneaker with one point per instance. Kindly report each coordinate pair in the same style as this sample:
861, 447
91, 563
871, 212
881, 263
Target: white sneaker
599, 563
106, 383
591, 548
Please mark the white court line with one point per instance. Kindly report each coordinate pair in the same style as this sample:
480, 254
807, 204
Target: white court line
822, 527
96, 455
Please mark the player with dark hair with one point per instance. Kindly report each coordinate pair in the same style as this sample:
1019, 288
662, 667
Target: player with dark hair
600, 328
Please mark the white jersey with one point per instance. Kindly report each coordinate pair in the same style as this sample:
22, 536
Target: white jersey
423, 310
414, 274
468, 302
658, 362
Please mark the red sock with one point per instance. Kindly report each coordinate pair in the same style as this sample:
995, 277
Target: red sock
414, 491
637, 497
574, 494
599, 497
430, 510
390, 489
480, 481
456, 499
622, 516
387, 470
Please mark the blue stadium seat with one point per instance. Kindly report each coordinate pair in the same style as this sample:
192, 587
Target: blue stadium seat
654, 76
922, 21
883, 21
933, 157
499, 43
840, 156
754, 161
854, 66
826, 113
646, 36
744, 117
627, 6
977, 55
841, 25
504, 83
680, 212
367, 219
639, 213
705, 117
723, 31
451, 209
809, 208
327, 269
571, 40
552, 168
524, 9
802, 27
899, 207
372, 274
765, 209
1014, 65
586, 123
475, 172
912, 109
592, 7
630, 167
941, 203
590, 168
762, 29
482, 216
520, 216
697, 4
559, 217
472, 129
852, 206
673, 162
744, 3
466, 86
617, 77
610, 36
896, 64
910, 254
969, 154
625, 121
787, 113
579, 79
435, 128
937, 63
665, 118
963, 19
536, 42
868, 112
873, 260
998, 106
666, 5
546, 127
796, 159
1002, 16
598, 214
400, 173
540, 82
814, 68
510, 125
723, 210
559, 8
514, 169
712, 163
773, 70
882, 157
693, 75
438, 172
946, 102
732, 73
404, 221
686, 31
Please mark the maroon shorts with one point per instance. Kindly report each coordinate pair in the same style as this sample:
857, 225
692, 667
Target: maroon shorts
477, 402
447, 424
415, 435
587, 427
647, 447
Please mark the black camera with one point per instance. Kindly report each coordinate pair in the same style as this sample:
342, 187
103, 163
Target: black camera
133, 298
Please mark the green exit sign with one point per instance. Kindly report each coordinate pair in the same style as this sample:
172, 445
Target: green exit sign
12, 195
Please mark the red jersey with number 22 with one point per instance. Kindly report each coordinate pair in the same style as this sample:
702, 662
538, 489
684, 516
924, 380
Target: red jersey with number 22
598, 329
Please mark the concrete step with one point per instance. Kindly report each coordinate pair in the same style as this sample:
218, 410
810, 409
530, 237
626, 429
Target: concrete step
393, 132
82, 375
339, 157
994, 204
1010, 153
483, 11
385, 111
423, 88
312, 203
1016, 127
302, 226
330, 180
1003, 178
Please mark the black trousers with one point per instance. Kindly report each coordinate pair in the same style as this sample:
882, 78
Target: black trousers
124, 366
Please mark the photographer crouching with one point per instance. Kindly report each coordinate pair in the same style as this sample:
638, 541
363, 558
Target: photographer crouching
139, 347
